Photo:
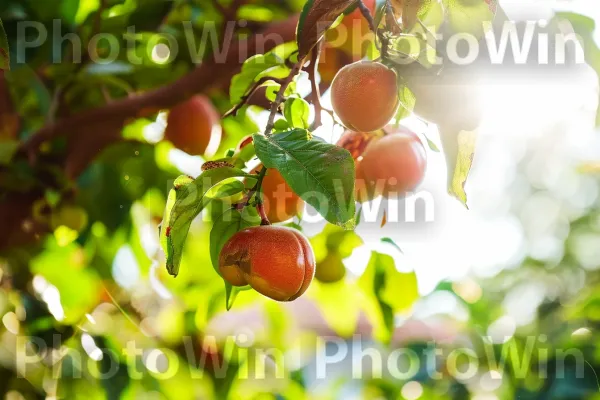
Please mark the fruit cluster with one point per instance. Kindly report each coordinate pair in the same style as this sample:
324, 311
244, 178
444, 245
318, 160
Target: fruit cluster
389, 161
277, 261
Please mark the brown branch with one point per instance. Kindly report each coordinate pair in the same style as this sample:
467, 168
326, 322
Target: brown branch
9, 119
315, 92
209, 74
367, 14
90, 132
219, 7
264, 219
98, 20
229, 15
281, 94
256, 190
392, 25
260, 207
257, 85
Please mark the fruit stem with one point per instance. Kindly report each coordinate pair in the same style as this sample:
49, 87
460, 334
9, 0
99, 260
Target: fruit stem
280, 95
261, 177
264, 220
260, 207
257, 188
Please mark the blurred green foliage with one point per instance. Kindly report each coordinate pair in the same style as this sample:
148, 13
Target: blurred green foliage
89, 312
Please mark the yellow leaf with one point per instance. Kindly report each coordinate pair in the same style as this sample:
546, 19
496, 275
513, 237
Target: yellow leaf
589, 168
340, 305
464, 160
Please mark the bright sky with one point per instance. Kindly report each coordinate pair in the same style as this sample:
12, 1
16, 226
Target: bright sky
492, 235
506, 222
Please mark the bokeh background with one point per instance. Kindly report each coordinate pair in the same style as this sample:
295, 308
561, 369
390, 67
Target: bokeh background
516, 271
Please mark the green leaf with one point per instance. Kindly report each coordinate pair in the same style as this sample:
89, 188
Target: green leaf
464, 161
467, 16
114, 369
273, 88
225, 226
431, 144
4, 54
251, 69
226, 189
407, 103
271, 64
322, 174
7, 149
186, 200
253, 12
390, 241
395, 291
285, 51
316, 17
341, 316
335, 240
231, 293
431, 14
281, 125
297, 112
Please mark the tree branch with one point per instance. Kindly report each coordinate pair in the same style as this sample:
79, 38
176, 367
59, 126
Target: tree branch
9, 119
90, 132
113, 115
315, 91
257, 85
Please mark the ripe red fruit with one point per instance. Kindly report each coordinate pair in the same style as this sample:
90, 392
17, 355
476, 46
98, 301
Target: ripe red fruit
279, 200
276, 261
387, 165
193, 125
364, 95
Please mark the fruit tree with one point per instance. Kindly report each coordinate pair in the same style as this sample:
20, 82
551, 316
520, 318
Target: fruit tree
200, 199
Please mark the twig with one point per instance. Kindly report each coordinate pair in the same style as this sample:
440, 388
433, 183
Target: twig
229, 15
260, 207
55, 103
205, 76
367, 14
220, 8
10, 121
106, 94
392, 25
280, 95
256, 189
98, 21
249, 94
316, 94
